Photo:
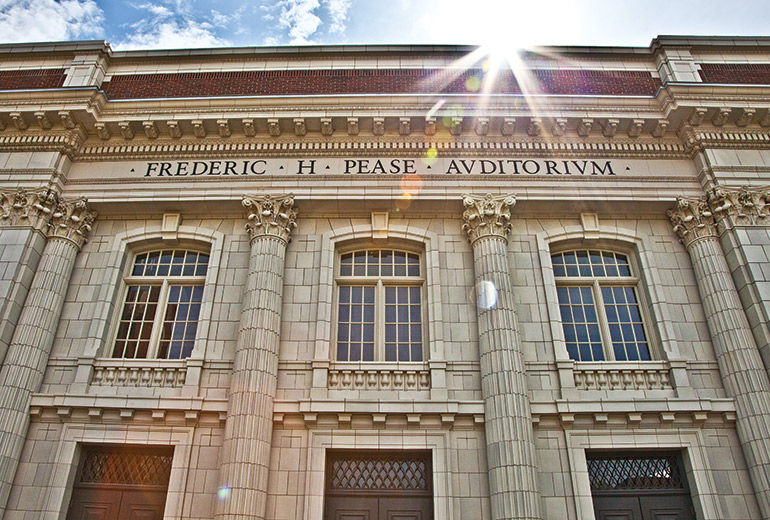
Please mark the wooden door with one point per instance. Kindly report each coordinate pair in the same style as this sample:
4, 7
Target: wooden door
639, 486
617, 508
129, 504
662, 506
405, 508
655, 506
121, 484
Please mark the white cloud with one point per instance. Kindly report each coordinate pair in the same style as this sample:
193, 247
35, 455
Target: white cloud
218, 19
48, 20
172, 26
271, 41
298, 17
301, 19
338, 11
156, 10
173, 34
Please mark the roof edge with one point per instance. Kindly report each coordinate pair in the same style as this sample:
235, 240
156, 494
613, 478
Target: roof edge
401, 49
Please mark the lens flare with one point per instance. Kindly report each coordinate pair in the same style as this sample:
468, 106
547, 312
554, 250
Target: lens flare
223, 493
404, 201
411, 184
486, 295
435, 108
473, 84
431, 156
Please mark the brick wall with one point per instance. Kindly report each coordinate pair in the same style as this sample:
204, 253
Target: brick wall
374, 81
735, 73
31, 79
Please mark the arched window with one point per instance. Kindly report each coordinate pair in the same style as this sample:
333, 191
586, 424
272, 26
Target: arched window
379, 303
599, 306
163, 300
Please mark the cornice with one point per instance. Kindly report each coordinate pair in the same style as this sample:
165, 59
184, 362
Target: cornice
700, 138
67, 142
419, 104
674, 124
368, 146
705, 91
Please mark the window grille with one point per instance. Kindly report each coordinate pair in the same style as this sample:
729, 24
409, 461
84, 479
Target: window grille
386, 471
635, 472
126, 466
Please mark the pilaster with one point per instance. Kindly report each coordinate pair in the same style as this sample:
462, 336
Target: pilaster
676, 64
22, 371
24, 216
248, 431
87, 70
740, 365
742, 215
508, 424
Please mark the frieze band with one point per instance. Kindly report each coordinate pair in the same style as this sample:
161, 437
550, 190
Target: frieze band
431, 164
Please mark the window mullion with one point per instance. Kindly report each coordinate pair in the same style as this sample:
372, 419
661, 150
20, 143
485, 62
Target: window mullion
157, 325
601, 313
379, 322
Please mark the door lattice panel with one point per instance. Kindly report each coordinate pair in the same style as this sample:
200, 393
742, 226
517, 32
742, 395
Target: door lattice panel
379, 472
147, 468
635, 472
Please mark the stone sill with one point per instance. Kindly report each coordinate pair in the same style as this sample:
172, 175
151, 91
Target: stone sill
379, 376
625, 375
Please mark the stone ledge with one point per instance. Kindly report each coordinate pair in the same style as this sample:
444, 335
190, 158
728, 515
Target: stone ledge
139, 372
627, 375
379, 376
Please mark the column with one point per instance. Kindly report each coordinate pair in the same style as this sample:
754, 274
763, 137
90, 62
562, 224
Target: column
740, 365
22, 372
742, 217
510, 445
249, 427
24, 216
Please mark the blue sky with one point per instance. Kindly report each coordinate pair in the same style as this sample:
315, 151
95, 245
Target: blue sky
207, 23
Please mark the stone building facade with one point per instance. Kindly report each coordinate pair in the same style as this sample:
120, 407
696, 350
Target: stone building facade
385, 282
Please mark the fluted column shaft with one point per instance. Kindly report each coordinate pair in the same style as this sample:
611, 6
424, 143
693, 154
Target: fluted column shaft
22, 372
740, 364
510, 438
742, 215
248, 431
24, 214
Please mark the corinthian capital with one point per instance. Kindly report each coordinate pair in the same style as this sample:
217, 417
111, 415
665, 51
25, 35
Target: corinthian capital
487, 216
272, 216
27, 207
740, 206
692, 219
72, 220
